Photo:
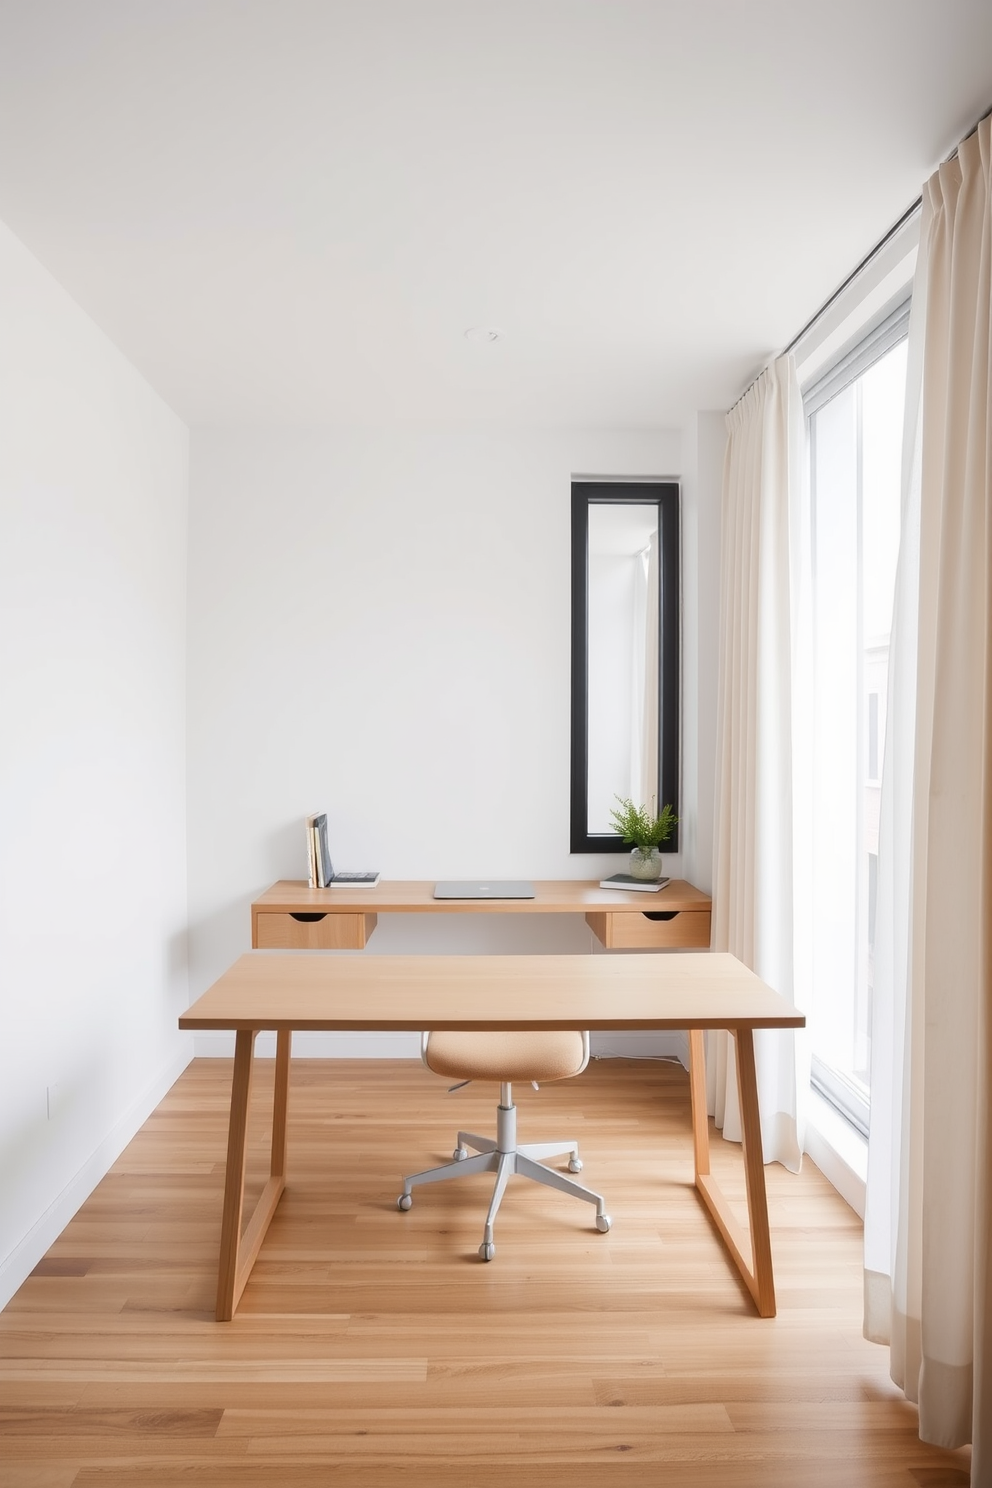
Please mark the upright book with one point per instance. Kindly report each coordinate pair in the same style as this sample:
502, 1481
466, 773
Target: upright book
311, 852
322, 875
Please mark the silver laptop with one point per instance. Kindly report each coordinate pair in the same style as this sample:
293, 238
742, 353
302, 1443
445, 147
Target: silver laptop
485, 888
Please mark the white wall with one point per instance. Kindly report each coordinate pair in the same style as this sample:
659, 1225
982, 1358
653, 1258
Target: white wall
704, 446
379, 627
93, 482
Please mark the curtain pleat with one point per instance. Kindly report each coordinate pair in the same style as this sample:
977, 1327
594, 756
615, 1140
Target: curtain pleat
753, 836
927, 1232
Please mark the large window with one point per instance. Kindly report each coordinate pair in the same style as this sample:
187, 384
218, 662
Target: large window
855, 422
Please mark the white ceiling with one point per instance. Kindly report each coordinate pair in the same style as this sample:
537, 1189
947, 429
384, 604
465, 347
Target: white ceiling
290, 211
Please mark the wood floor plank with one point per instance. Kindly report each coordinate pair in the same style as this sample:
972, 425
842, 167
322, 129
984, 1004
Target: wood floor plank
528, 1421
611, 1469
82, 1421
373, 1348
43, 1475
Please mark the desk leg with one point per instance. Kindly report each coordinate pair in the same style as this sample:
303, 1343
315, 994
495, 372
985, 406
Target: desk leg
763, 1289
238, 1252
280, 1095
234, 1175
697, 1096
752, 1255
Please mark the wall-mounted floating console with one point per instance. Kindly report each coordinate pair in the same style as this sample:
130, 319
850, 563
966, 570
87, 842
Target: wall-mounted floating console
291, 916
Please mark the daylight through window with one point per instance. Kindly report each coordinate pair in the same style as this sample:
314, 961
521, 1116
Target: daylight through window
855, 421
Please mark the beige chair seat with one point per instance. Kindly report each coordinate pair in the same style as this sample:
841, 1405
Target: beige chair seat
540, 1056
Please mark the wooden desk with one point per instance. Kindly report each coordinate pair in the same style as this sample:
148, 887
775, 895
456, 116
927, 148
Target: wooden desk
291, 916
392, 993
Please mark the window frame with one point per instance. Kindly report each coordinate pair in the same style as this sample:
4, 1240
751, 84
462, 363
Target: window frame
872, 343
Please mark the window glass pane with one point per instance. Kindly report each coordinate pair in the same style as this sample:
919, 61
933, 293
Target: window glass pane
855, 458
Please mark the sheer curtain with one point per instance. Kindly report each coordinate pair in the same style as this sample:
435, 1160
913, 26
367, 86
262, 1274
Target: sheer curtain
753, 835
928, 1237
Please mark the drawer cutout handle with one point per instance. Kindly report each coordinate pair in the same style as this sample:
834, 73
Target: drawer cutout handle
308, 918
659, 914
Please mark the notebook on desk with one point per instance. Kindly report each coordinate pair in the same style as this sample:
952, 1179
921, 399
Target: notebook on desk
489, 888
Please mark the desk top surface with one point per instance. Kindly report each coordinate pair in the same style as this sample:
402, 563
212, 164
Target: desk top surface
561, 896
353, 990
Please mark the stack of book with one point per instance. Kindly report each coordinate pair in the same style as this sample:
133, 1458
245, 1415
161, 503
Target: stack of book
322, 875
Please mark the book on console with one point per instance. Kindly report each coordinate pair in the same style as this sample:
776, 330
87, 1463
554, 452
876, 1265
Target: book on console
625, 881
322, 874
311, 853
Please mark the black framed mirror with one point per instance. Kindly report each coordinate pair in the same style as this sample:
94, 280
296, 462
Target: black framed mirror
625, 655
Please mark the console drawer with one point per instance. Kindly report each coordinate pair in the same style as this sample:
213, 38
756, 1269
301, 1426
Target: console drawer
631, 930
285, 931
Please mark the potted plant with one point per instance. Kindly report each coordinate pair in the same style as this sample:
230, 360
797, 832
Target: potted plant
647, 831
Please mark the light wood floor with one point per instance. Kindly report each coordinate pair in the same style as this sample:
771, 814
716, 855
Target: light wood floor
374, 1348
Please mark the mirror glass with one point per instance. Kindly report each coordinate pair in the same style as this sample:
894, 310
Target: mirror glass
624, 655
622, 658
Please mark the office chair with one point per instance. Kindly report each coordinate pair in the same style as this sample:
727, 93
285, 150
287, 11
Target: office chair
540, 1056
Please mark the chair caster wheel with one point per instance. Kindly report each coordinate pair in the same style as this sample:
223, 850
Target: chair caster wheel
487, 1250
575, 1165
603, 1222
405, 1201
460, 1154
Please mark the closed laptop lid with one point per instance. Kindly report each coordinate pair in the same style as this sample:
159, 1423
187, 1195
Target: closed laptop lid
485, 888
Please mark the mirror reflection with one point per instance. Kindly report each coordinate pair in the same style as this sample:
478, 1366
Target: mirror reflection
622, 659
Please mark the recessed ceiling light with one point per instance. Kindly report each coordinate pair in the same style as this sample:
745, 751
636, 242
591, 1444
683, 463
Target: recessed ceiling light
483, 333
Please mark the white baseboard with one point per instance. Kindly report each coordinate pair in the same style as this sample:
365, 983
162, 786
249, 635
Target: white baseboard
217, 1045
839, 1151
641, 1046
16, 1267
